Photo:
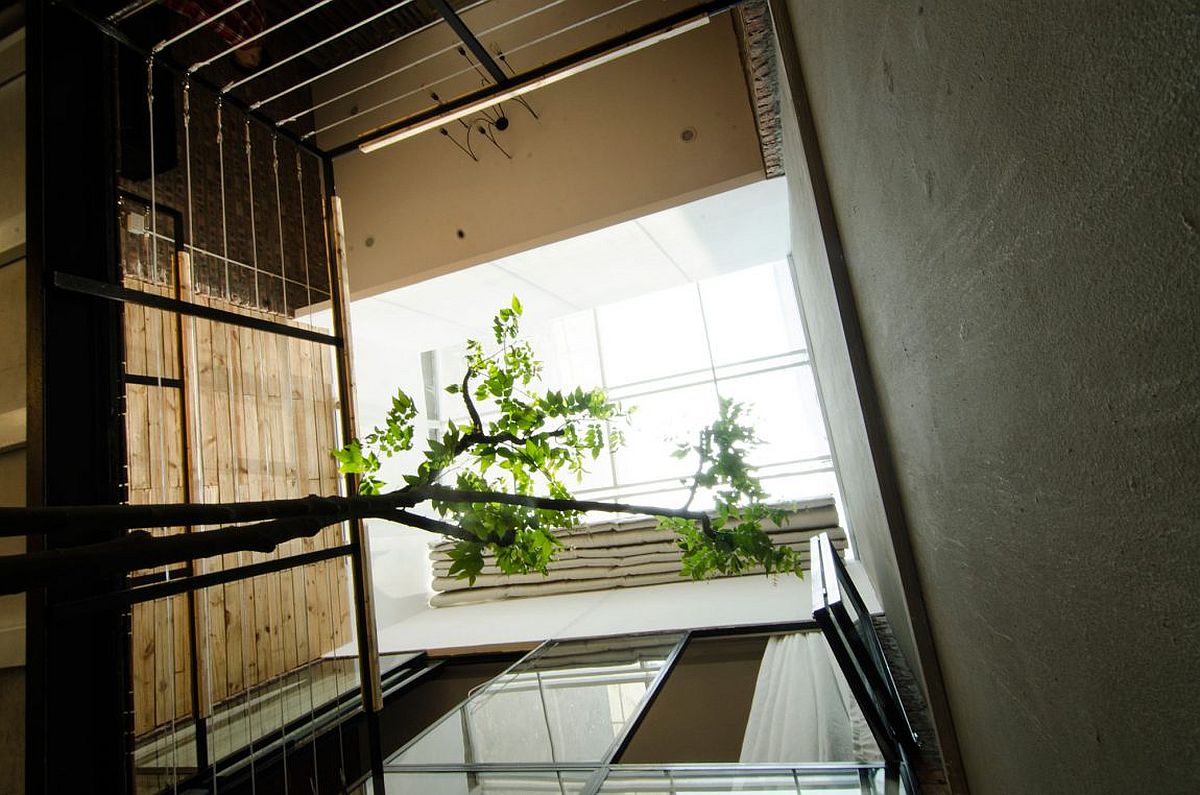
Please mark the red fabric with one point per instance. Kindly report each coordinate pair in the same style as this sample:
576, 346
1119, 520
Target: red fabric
235, 27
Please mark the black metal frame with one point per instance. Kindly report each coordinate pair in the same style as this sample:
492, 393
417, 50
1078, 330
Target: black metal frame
842, 614
77, 383
124, 295
472, 43
76, 411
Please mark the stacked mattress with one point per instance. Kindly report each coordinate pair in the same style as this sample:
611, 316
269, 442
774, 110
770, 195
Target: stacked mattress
620, 554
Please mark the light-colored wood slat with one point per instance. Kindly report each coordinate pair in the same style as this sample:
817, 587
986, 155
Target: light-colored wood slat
183, 658
193, 450
137, 424
135, 338
312, 609
163, 673
172, 419
342, 600
143, 667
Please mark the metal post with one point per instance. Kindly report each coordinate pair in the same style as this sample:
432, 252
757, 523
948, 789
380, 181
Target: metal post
339, 299
76, 450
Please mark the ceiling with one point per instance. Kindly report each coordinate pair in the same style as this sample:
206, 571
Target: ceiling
720, 234
315, 47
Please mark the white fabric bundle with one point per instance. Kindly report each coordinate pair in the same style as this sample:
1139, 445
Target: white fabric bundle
613, 555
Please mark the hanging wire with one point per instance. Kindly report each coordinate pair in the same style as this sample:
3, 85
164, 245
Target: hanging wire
313, 643
356, 59
290, 457
269, 462
251, 39
165, 43
197, 423
162, 443
224, 220
337, 677
459, 73
279, 220
232, 425
419, 61
249, 78
303, 229
253, 230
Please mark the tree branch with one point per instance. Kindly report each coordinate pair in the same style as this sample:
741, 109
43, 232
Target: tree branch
291, 519
702, 451
446, 494
141, 550
476, 422
432, 525
61, 519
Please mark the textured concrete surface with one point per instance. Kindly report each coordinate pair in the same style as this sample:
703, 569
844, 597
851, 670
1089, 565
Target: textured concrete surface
1017, 189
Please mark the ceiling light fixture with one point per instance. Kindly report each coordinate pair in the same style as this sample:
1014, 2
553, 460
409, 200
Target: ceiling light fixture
525, 86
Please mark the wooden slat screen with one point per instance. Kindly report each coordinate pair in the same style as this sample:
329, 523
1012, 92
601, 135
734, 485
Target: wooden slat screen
263, 427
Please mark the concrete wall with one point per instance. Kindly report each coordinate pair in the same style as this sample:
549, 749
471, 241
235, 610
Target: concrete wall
607, 147
1018, 194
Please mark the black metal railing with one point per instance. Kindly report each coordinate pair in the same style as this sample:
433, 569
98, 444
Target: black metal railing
840, 611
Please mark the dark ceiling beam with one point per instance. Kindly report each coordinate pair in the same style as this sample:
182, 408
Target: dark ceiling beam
468, 38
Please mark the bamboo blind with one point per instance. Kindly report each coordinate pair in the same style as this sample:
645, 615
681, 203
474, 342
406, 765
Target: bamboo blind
262, 423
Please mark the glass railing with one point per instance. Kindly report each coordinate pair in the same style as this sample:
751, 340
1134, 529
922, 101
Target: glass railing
566, 702
267, 719
649, 780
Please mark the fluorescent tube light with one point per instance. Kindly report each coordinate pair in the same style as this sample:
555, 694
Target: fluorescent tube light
533, 85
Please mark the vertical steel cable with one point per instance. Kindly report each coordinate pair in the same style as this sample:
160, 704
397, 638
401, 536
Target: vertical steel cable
314, 667
196, 438
236, 490
263, 399
162, 444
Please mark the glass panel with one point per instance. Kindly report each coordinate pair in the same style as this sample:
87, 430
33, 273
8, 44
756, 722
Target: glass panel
567, 782
662, 420
785, 411
566, 702
801, 781
751, 314
653, 336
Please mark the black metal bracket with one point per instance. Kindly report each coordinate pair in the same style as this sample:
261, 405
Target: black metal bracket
469, 39
842, 614
112, 292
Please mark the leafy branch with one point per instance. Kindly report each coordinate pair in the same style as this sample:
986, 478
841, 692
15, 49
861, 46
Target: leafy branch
535, 441
532, 443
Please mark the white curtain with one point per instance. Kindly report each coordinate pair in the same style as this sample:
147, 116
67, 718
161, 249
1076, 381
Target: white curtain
803, 710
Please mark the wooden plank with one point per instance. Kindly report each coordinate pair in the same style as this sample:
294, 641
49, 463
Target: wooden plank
172, 419
163, 672
137, 429
193, 450
142, 638
183, 657
276, 463
262, 429
227, 406
135, 338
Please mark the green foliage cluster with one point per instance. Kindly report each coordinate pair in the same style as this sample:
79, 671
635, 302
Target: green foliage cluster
736, 540
536, 440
